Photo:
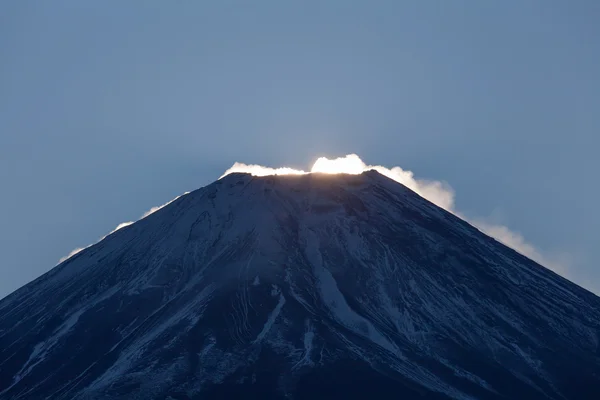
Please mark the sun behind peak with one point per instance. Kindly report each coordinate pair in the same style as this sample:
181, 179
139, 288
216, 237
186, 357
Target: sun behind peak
350, 164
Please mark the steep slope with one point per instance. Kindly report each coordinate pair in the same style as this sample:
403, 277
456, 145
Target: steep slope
312, 286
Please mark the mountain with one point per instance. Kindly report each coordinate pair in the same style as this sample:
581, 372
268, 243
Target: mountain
300, 287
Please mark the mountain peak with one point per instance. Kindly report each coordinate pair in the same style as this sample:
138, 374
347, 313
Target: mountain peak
300, 286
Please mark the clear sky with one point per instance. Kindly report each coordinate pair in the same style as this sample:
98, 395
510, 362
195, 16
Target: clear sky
108, 108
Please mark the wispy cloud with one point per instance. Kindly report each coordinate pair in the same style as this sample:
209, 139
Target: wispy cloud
72, 253
259, 170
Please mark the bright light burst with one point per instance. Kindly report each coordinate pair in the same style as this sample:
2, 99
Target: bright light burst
350, 164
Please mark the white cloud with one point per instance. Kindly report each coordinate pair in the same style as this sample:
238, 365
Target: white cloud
156, 208
121, 225
152, 210
71, 254
259, 170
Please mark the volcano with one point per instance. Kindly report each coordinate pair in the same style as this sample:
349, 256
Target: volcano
312, 286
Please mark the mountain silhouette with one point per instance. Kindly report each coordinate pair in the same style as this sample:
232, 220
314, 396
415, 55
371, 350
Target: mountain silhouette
300, 287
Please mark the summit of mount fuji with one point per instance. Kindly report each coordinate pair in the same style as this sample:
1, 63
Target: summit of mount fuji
300, 286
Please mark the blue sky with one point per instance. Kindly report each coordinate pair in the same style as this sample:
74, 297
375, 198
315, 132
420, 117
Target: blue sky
109, 108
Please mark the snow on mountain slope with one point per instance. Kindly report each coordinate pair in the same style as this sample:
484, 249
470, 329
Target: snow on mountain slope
310, 286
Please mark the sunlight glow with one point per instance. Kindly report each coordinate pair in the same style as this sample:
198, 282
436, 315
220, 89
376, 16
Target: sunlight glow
350, 164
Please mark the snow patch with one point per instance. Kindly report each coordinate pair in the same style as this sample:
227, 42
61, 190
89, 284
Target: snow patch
271, 319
